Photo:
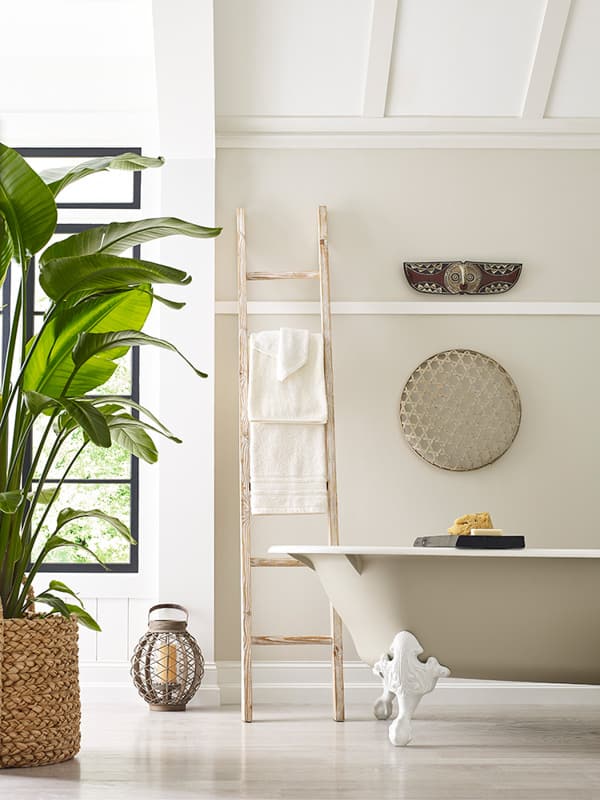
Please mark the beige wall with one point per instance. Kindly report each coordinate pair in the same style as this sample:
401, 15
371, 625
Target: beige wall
387, 206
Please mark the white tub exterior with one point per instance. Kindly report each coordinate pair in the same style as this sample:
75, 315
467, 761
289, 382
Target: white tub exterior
518, 615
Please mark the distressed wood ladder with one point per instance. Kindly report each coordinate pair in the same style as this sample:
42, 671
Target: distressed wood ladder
247, 560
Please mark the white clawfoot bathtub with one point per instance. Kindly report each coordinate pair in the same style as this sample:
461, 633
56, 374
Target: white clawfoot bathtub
515, 615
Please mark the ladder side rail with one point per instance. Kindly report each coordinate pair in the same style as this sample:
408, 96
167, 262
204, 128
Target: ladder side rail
337, 652
244, 445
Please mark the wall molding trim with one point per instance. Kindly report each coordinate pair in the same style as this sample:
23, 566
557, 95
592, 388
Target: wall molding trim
309, 682
408, 132
413, 308
107, 681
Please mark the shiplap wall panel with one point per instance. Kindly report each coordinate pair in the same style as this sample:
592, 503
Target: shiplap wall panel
113, 618
576, 88
138, 620
88, 639
464, 58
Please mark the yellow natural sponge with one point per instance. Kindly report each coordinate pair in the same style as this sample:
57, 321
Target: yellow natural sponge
463, 525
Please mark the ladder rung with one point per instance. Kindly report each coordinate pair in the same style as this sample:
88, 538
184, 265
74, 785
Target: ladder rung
292, 640
279, 276
275, 562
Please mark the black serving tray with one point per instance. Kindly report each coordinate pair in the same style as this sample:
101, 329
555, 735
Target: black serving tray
468, 542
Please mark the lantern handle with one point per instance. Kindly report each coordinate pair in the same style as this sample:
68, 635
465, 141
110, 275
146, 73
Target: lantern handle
170, 605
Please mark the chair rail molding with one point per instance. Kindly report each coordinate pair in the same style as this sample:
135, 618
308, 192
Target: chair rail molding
416, 308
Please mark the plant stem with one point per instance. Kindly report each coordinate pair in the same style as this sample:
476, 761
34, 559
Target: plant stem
16, 386
22, 598
7, 394
17, 528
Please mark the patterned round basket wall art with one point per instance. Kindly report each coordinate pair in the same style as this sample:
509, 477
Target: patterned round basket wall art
460, 410
40, 711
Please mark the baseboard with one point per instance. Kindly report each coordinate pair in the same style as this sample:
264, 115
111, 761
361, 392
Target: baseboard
111, 681
309, 682
303, 682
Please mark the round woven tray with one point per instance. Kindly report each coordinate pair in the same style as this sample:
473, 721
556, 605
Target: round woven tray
40, 710
460, 410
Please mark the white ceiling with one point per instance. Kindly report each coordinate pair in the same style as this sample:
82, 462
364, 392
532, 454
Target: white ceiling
329, 73
77, 55
509, 71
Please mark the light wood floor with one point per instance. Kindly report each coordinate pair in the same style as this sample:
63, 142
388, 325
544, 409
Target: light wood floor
482, 753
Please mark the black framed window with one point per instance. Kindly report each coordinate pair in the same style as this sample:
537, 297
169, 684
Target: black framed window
102, 478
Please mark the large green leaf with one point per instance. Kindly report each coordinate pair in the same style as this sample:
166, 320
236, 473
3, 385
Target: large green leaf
37, 403
25, 202
6, 248
59, 586
116, 403
10, 501
117, 237
92, 344
60, 177
56, 542
51, 365
45, 496
58, 605
83, 618
69, 514
129, 433
55, 603
89, 419
81, 276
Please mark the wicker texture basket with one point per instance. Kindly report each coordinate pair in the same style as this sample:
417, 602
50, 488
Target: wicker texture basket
39, 691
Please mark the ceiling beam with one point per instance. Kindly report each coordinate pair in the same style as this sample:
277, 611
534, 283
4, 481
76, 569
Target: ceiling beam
411, 132
545, 59
381, 45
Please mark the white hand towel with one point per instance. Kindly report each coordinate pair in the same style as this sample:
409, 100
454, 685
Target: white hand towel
287, 381
287, 469
292, 351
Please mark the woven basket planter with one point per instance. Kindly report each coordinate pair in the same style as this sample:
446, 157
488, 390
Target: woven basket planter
39, 691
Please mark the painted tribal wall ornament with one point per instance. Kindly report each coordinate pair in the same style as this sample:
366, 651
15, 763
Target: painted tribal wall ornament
461, 277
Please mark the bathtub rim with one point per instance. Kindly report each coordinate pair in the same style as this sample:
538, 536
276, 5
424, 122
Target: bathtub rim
437, 552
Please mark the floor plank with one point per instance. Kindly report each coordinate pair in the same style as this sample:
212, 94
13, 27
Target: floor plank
297, 753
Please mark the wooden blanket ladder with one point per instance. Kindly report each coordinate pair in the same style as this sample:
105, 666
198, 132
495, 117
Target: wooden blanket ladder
248, 562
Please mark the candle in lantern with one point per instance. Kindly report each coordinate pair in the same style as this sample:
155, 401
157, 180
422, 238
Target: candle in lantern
167, 663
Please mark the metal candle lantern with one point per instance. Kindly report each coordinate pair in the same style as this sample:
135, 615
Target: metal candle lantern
167, 665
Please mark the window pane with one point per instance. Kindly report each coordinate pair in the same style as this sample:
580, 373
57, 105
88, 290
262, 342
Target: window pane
93, 463
120, 381
103, 187
95, 534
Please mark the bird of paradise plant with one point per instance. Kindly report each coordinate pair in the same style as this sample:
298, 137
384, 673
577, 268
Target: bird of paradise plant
99, 304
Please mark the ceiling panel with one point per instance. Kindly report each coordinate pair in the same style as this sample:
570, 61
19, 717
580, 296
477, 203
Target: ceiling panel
463, 58
290, 57
576, 89
75, 56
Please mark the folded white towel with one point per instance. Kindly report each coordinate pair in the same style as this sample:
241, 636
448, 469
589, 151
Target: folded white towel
287, 469
292, 351
287, 381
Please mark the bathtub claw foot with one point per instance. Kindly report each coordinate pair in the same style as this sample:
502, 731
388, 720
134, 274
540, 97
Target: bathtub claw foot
407, 678
384, 705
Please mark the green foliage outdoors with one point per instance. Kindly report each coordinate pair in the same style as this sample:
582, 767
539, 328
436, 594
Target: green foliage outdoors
61, 390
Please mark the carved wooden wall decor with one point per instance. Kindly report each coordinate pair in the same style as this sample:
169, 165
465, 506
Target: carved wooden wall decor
461, 277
